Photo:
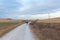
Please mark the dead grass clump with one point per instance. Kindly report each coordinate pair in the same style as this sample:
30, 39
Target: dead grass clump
46, 31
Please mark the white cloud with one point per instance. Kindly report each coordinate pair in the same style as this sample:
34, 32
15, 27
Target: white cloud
33, 17
33, 7
55, 14
24, 8
29, 4
43, 4
24, 2
25, 5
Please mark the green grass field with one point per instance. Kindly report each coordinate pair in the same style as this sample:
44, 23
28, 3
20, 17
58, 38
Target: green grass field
6, 26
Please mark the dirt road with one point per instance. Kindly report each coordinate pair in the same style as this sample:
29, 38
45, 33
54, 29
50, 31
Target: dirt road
22, 32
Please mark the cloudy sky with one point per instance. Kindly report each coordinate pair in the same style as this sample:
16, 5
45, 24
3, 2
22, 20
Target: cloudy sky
29, 8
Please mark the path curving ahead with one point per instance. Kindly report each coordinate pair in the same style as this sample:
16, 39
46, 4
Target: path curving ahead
22, 32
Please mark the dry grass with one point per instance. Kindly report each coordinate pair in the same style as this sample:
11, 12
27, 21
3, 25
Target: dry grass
46, 30
7, 25
52, 20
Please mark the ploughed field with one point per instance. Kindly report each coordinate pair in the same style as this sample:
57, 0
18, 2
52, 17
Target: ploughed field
46, 29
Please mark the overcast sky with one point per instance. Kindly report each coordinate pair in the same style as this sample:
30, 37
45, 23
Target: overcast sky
22, 8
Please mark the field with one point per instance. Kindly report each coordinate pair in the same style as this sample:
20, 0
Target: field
7, 25
48, 29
